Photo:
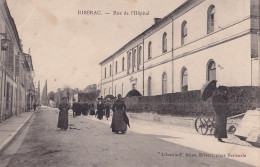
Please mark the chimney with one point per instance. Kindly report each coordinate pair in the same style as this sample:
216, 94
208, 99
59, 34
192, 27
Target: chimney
156, 20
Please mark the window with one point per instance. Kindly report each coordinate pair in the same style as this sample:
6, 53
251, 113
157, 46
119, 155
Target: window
149, 50
110, 69
164, 83
184, 33
116, 67
133, 60
139, 54
211, 19
164, 42
149, 88
211, 71
133, 86
128, 62
115, 91
105, 72
122, 89
123, 64
184, 80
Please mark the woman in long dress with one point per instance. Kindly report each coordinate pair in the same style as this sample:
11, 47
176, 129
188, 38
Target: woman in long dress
63, 114
118, 122
100, 110
220, 105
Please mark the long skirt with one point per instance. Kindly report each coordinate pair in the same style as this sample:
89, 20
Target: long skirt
63, 120
221, 125
118, 123
100, 114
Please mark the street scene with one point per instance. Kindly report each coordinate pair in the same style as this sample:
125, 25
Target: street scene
129, 83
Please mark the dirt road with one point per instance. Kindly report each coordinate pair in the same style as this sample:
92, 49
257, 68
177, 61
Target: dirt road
91, 143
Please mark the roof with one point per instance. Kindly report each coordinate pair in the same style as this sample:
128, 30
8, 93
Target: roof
157, 24
10, 18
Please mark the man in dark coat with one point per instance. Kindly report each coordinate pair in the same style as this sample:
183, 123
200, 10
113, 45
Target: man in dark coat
77, 109
107, 108
100, 110
92, 109
34, 106
85, 108
220, 105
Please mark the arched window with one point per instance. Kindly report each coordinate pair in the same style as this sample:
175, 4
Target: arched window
149, 86
211, 19
211, 71
123, 64
128, 62
116, 67
105, 72
184, 33
164, 83
133, 60
184, 79
110, 69
164, 42
139, 55
122, 89
149, 50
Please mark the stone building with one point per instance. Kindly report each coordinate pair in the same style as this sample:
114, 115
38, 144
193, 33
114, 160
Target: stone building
199, 41
16, 70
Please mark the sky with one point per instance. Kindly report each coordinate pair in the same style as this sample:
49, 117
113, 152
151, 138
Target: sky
67, 47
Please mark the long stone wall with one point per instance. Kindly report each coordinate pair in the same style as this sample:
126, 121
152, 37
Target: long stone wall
188, 103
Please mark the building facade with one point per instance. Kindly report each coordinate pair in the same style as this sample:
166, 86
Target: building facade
201, 40
16, 70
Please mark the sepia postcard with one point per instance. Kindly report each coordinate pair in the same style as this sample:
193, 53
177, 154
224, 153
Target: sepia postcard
133, 83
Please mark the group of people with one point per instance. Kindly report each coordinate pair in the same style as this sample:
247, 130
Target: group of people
119, 119
83, 108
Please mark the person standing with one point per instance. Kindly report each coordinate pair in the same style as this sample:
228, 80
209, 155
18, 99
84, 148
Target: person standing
119, 119
85, 108
77, 109
34, 106
63, 114
92, 109
107, 108
220, 105
100, 110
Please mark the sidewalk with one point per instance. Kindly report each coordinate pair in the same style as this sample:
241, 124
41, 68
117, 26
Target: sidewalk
186, 136
12, 127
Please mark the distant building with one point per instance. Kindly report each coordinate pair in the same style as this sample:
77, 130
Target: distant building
45, 99
201, 40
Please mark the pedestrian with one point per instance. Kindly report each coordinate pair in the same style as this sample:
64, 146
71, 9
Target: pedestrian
119, 119
100, 110
63, 114
107, 108
34, 106
85, 108
220, 105
77, 108
91, 109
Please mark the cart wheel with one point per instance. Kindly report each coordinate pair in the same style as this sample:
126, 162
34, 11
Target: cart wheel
201, 125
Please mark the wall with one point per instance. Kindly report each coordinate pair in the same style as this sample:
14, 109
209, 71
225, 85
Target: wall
241, 99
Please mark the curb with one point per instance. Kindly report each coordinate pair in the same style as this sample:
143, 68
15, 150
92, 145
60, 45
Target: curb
14, 135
